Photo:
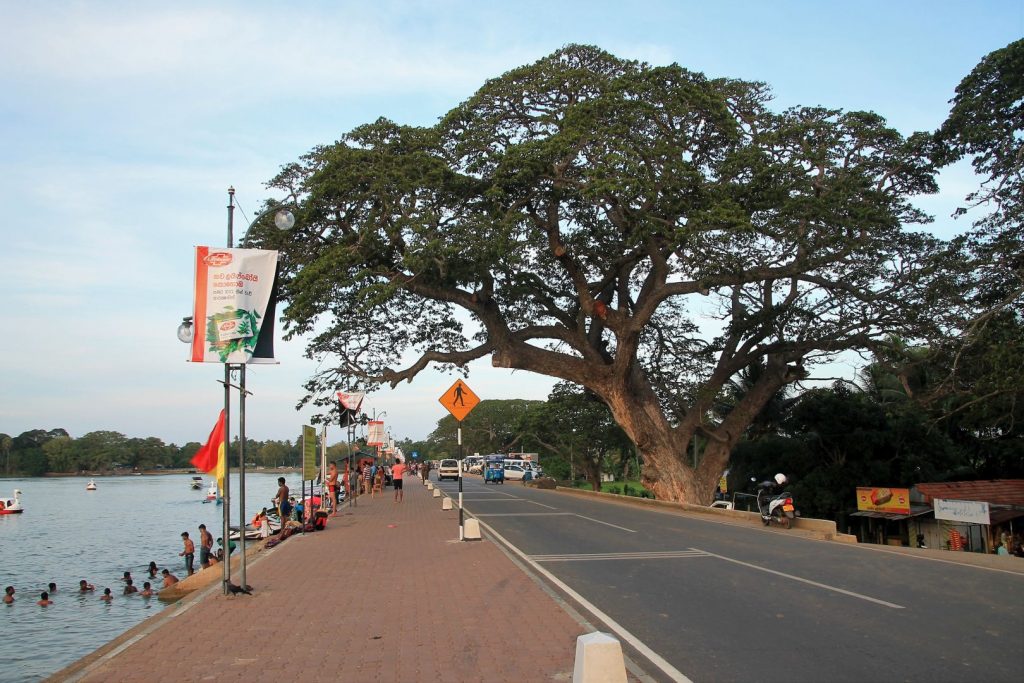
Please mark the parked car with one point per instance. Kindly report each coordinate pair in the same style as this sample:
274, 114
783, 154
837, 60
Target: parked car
515, 472
448, 469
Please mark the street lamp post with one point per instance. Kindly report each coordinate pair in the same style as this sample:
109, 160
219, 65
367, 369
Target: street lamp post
283, 220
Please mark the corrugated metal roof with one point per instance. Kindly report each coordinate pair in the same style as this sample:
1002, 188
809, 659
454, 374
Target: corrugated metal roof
998, 491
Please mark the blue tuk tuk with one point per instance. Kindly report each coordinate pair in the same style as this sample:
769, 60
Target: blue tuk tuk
494, 469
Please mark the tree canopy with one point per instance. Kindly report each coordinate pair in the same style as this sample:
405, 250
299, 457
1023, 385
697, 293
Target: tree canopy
644, 232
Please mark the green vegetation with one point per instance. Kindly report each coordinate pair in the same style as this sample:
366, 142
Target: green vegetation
39, 452
580, 217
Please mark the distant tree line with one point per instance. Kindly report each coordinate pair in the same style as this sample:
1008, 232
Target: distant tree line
38, 452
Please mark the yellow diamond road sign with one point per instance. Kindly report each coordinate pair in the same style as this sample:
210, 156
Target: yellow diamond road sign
459, 400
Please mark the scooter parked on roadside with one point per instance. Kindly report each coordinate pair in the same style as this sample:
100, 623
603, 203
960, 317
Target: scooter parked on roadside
775, 507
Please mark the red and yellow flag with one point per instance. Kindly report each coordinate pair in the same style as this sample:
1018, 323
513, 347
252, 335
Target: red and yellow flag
211, 457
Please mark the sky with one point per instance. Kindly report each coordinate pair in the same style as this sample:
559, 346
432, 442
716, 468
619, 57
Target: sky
122, 125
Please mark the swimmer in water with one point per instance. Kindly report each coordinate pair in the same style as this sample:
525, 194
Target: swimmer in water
9, 595
106, 597
147, 590
84, 586
44, 599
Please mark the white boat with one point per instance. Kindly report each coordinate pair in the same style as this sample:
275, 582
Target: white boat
91, 486
212, 493
196, 483
252, 533
11, 506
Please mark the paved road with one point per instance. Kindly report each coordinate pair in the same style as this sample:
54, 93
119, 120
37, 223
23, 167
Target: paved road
720, 602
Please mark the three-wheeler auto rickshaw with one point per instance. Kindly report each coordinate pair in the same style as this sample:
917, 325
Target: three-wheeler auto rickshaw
494, 470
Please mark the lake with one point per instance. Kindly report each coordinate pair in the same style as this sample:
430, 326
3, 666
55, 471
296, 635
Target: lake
67, 533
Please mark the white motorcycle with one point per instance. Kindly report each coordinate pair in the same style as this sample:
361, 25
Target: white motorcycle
776, 507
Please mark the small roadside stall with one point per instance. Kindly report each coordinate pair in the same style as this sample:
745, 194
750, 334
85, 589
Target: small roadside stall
975, 516
887, 516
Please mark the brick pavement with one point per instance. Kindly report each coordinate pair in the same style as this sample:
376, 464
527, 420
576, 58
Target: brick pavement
386, 593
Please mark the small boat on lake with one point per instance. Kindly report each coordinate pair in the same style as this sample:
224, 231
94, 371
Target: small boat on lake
91, 486
11, 506
197, 483
212, 494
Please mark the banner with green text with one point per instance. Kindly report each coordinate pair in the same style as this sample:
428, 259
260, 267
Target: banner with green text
310, 466
233, 313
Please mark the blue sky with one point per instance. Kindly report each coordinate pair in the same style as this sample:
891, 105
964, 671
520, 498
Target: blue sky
123, 123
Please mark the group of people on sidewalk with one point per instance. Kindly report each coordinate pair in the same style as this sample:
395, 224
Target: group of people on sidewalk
367, 478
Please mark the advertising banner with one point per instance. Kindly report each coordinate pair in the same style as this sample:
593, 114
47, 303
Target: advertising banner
883, 499
351, 400
309, 459
974, 511
234, 306
375, 433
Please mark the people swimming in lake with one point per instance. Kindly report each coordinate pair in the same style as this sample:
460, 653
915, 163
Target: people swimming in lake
129, 587
106, 597
169, 578
152, 569
85, 587
44, 599
52, 587
126, 576
147, 590
9, 595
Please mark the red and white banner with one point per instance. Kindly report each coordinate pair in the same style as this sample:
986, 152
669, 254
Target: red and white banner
234, 306
352, 400
375, 433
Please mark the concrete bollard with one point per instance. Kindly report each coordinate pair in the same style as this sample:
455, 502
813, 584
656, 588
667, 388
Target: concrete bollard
598, 660
471, 530
446, 504
430, 487
437, 493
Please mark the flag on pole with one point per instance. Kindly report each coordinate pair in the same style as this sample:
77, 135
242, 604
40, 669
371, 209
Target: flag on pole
211, 457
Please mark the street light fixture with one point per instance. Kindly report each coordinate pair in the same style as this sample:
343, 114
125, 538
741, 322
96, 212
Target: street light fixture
185, 330
284, 219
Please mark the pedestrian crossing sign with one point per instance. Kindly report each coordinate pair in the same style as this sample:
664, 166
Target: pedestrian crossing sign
459, 400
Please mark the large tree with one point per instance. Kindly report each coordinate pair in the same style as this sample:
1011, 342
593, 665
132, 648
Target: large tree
643, 232
982, 350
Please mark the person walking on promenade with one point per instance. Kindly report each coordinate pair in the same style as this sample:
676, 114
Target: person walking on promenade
397, 472
205, 546
189, 552
367, 479
332, 487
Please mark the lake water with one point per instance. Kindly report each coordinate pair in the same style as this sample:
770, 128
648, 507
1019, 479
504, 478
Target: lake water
67, 533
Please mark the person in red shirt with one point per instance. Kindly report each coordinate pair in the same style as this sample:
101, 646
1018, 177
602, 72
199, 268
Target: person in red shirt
397, 470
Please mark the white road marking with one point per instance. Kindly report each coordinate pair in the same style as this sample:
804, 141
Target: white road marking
652, 656
653, 555
807, 581
616, 526
549, 514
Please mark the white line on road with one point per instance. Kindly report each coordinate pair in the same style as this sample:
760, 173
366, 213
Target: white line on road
616, 526
807, 581
524, 514
654, 555
652, 656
